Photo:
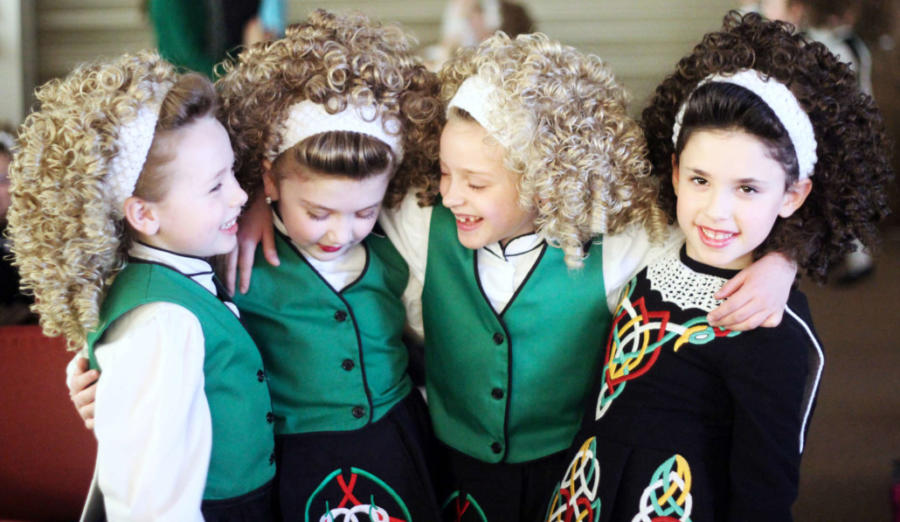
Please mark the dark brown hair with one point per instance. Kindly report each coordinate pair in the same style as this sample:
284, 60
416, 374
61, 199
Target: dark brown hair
344, 154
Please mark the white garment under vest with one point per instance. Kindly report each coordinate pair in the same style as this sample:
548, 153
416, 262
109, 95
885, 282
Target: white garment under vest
502, 271
152, 423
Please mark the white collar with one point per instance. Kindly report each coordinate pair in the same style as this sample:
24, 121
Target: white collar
683, 286
196, 268
516, 247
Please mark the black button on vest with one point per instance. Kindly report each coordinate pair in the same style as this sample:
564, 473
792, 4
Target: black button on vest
348, 364
270, 417
497, 393
498, 338
340, 316
260, 376
271, 458
496, 447
358, 412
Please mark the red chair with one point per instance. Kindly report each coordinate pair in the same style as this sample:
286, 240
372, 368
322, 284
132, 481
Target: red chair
46, 453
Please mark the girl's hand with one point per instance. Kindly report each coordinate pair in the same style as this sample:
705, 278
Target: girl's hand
82, 384
756, 296
255, 226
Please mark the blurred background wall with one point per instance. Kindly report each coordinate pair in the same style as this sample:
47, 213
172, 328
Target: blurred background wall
638, 38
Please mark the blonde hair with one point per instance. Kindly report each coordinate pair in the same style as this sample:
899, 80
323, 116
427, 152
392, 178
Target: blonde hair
67, 243
581, 160
334, 61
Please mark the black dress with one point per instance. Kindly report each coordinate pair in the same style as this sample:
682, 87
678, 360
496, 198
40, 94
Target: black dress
687, 421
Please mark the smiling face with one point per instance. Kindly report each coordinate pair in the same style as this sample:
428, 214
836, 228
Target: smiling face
326, 214
198, 214
478, 189
730, 192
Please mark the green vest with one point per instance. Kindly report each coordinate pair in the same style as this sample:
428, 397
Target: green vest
336, 360
511, 387
242, 439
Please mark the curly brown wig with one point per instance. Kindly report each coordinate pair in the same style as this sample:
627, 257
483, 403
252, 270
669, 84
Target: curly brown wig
68, 240
564, 121
334, 61
852, 171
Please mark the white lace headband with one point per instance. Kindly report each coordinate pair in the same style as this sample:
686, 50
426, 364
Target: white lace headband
477, 96
132, 145
305, 119
782, 102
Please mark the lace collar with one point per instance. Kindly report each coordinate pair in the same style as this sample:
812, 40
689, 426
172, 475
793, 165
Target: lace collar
685, 282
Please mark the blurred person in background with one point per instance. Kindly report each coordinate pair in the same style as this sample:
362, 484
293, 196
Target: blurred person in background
466, 23
199, 34
13, 304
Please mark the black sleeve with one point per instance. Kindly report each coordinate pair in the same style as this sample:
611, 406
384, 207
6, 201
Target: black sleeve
767, 372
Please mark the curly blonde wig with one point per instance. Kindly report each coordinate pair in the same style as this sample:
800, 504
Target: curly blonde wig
334, 61
67, 242
562, 117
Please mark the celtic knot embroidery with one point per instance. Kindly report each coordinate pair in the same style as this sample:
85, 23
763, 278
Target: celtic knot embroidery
635, 339
669, 493
576, 496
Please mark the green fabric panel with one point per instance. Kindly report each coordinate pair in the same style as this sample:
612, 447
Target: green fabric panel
293, 315
238, 400
182, 35
557, 324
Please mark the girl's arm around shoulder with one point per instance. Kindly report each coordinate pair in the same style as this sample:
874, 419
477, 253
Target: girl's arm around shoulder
255, 228
81, 381
628, 252
152, 424
755, 297
407, 227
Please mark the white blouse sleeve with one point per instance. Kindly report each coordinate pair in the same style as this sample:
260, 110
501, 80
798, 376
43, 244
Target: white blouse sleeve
152, 423
407, 227
627, 253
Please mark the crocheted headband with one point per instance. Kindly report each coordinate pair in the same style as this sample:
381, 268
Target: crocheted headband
132, 145
782, 102
477, 96
306, 118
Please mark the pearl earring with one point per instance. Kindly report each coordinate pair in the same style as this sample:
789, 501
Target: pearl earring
268, 200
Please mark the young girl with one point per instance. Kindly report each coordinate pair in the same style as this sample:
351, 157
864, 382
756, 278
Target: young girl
123, 185
346, 118
692, 422
538, 159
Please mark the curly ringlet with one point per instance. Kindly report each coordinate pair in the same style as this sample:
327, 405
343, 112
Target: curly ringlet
334, 60
67, 243
852, 172
564, 119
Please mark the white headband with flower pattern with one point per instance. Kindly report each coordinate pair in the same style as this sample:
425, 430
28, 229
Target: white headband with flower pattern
782, 102
132, 145
306, 118
479, 97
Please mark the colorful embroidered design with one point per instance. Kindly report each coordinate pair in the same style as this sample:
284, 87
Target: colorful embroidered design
635, 339
350, 508
461, 504
668, 497
576, 496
